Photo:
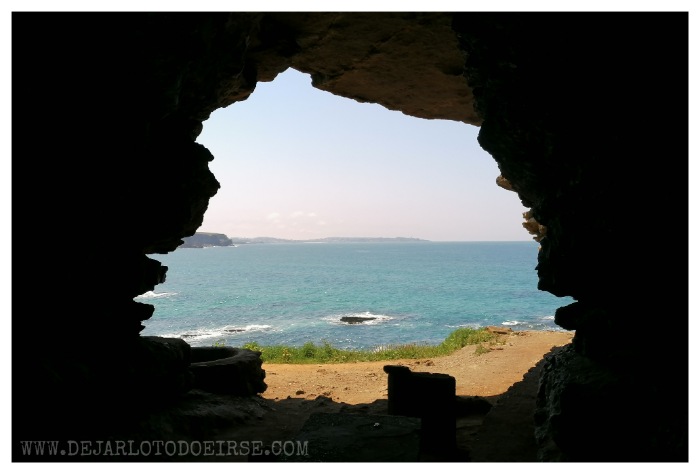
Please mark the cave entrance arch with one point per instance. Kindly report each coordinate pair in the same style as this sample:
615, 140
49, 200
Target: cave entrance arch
428, 174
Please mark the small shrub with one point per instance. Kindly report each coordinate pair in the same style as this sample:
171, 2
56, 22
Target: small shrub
466, 336
253, 346
328, 350
308, 350
286, 355
480, 349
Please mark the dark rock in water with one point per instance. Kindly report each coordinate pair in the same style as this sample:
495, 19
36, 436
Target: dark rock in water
234, 330
356, 319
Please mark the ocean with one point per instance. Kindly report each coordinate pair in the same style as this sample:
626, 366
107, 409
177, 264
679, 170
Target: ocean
392, 293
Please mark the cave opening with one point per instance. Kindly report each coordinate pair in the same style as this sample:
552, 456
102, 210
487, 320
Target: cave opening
297, 164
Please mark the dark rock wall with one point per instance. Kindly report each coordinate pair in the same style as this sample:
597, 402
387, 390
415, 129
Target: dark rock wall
586, 115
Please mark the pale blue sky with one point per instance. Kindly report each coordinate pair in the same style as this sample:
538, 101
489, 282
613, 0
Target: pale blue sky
297, 162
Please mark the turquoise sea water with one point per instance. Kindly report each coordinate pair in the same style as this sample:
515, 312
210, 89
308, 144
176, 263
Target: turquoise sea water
294, 293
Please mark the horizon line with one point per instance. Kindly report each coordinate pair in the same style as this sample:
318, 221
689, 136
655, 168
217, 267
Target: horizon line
364, 237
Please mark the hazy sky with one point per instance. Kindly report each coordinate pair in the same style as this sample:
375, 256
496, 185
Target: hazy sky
297, 162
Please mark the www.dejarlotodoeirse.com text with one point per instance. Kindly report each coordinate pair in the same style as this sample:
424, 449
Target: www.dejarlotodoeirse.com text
164, 448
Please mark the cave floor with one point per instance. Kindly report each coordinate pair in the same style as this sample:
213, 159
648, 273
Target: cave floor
507, 376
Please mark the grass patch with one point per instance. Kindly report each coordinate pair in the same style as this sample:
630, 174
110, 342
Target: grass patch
324, 353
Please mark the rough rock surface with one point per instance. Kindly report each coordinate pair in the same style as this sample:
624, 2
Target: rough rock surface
240, 373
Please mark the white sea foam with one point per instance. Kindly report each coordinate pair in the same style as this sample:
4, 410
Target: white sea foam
193, 335
248, 328
544, 324
465, 325
197, 335
153, 294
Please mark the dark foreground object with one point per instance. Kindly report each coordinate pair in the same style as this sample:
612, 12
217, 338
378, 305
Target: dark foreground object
340, 437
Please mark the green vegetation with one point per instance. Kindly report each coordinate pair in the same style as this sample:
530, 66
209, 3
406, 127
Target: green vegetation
480, 349
311, 353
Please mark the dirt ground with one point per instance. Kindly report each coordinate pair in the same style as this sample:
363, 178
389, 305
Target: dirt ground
489, 374
507, 376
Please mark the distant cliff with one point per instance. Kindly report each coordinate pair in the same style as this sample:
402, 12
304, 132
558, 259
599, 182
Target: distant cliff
275, 240
206, 239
